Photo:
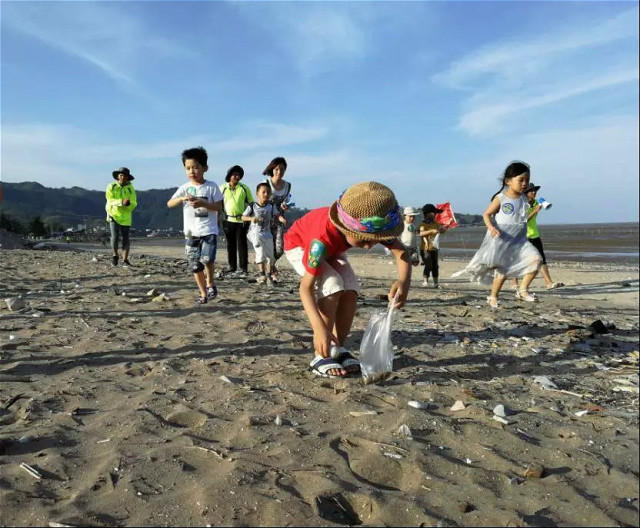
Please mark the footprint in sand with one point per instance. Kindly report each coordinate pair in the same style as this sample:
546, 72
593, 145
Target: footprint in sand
369, 464
187, 418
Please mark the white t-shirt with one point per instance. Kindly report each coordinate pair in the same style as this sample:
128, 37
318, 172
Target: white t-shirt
199, 221
265, 216
408, 236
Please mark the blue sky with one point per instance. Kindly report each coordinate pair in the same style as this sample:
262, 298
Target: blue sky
434, 99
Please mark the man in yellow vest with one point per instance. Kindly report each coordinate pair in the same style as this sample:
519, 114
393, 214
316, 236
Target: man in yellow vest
121, 201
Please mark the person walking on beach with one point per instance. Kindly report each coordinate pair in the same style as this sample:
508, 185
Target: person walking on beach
408, 237
121, 201
505, 251
428, 230
262, 214
364, 215
533, 236
236, 198
201, 201
280, 191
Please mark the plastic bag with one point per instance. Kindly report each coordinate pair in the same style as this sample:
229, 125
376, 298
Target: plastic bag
253, 235
376, 349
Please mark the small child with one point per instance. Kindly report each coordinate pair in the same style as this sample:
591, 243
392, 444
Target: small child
505, 251
408, 236
261, 214
428, 231
201, 200
365, 214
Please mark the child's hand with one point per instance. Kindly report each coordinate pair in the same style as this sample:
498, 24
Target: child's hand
255, 219
322, 343
495, 232
126, 202
401, 290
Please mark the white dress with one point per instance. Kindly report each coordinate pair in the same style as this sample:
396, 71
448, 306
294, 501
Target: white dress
510, 254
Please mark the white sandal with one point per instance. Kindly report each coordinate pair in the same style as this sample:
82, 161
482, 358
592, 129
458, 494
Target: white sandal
493, 302
321, 366
524, 295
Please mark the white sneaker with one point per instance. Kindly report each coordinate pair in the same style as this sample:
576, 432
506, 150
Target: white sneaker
261, 279
425, 282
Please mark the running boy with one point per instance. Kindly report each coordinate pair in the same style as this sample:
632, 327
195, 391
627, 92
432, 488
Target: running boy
261, 214
365, 214
201, 200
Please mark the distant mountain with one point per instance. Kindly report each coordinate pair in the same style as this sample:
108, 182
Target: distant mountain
67, 207
71, 206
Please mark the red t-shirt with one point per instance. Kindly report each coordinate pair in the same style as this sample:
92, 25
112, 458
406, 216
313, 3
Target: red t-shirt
317, 236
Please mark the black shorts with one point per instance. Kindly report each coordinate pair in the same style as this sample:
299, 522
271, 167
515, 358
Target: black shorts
537, 242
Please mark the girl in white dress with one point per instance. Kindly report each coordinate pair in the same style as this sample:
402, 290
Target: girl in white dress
505, 251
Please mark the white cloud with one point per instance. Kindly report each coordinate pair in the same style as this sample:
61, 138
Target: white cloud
508, 78
488, 117
502, 58
314, 35
48, 147
100, 33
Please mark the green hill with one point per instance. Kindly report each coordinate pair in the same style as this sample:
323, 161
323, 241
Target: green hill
60, 208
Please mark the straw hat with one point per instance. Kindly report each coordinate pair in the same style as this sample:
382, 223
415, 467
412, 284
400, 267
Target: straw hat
367, 211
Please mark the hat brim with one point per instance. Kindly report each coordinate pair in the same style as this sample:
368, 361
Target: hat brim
115, 175
389, 234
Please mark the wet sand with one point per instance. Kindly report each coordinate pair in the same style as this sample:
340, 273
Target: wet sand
140, 409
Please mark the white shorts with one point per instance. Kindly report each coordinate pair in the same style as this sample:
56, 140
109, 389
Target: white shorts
264, 252
334, 276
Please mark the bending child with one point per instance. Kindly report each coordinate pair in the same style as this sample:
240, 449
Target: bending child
261, 214
365, 214
201, 200
505, 250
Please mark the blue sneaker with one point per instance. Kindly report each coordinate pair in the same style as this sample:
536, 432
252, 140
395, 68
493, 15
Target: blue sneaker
212, 292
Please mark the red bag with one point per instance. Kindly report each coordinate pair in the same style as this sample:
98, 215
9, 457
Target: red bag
446, 217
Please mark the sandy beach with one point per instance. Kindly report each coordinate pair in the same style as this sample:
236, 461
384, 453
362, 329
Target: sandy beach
123, 404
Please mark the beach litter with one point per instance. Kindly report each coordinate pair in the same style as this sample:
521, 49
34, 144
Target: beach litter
545, 382
376, 348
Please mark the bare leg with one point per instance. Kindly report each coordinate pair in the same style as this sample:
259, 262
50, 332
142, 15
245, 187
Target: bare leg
209, 268
526, 280
201, 282
328, 309
498, 282
125, 254
545, 275
344, 315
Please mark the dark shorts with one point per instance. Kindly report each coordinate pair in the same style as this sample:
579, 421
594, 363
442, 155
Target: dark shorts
538, 245
201, 249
